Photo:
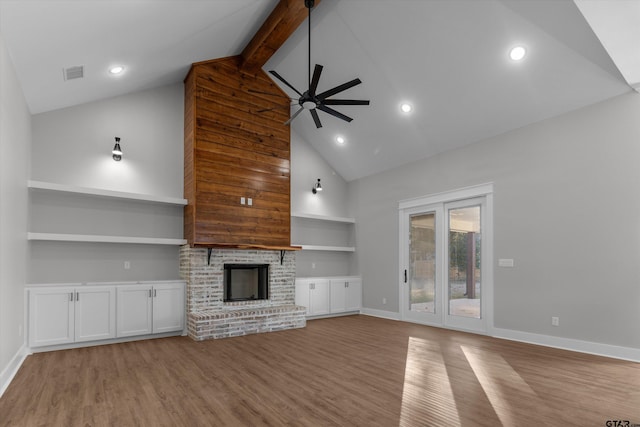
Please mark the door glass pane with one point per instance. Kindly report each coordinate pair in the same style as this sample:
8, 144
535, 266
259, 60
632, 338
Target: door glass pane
464, 262
422, 263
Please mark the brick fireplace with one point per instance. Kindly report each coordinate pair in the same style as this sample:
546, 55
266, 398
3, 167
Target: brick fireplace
209, 316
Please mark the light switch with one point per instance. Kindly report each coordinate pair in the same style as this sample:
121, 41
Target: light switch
250, 201
505, 262
242, 200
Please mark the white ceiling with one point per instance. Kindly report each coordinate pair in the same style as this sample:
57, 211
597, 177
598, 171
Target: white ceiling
449, 58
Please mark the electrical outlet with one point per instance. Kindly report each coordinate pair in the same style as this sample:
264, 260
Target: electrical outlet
127, 265
555, 321
384, 301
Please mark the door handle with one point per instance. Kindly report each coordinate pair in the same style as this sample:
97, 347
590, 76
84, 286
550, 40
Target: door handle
405, 275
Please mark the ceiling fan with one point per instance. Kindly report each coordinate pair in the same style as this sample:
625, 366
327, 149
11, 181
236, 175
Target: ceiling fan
312, 101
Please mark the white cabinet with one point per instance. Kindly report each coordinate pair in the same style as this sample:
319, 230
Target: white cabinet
168, 307
51, 316
346, 294
79, 313
135, 313
61, 315
329, 295
313, 294
146, 309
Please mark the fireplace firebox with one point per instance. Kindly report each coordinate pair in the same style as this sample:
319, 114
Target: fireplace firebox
246, 282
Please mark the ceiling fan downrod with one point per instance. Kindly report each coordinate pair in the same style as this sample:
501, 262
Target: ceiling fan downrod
311, 101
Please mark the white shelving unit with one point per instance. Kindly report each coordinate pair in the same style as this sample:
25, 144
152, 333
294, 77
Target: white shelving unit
40, 185
327, 248
56, 237
97, 192
324, 217
329, 219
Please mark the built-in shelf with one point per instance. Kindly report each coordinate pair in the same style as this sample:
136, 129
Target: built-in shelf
57, 237
326, 219
323, 217
40, 185
327, 248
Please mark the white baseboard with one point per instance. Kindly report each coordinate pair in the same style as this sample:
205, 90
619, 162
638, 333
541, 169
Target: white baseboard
12, 368
392, 315
599, 349
607, 350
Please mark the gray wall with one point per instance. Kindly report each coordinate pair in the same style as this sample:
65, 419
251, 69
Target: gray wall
566, 209
73, 146
15, 137
306, 167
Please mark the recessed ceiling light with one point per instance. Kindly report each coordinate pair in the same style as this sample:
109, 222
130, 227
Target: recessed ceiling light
406, 108
340, 139
517, 53
116, 70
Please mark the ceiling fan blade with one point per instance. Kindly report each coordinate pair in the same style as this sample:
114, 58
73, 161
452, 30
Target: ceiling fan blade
294, 116
339, 89
316, 119
344, 102
334, 113
279, 77
314, 81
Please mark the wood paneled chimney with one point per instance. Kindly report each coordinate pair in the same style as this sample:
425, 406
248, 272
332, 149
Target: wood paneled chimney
236, 146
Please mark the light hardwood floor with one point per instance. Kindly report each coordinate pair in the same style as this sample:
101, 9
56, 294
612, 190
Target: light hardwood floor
347, 371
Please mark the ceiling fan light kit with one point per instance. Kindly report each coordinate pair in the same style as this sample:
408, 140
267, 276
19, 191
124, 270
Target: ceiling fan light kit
310, 100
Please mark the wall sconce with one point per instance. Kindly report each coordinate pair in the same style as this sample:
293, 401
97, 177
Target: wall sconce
117, 151
317, 187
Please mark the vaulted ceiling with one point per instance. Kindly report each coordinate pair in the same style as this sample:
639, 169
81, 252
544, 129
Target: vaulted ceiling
448, 58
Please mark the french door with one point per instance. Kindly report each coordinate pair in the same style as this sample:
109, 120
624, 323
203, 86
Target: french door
445, 247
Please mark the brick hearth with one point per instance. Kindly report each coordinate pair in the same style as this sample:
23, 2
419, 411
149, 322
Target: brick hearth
208, 316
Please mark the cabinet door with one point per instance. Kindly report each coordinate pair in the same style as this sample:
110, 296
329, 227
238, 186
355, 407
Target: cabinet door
134, 310
318, 297
338, 295
353, 295
168, 307
51, 313
95, 313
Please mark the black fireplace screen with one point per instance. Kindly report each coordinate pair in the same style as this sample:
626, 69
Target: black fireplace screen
246, 282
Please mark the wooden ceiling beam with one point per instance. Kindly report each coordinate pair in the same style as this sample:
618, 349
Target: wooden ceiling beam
285, 18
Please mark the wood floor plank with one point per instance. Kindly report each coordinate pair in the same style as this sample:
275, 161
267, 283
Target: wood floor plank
345, 371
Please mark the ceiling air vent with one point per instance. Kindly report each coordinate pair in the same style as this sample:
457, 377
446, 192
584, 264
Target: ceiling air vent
73, 72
